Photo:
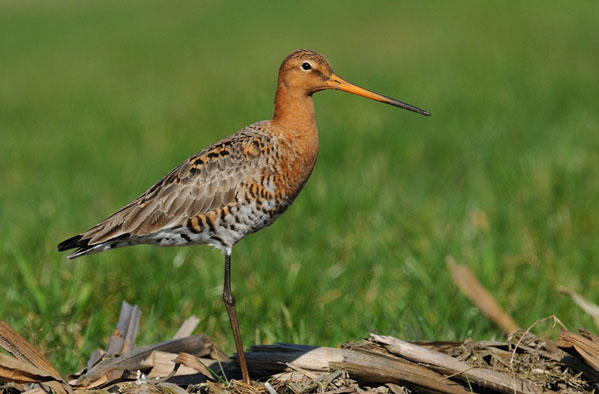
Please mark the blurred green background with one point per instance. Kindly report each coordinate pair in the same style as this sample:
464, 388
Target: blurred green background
98, 100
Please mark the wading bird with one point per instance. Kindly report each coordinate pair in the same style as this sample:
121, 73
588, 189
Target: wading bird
236, 186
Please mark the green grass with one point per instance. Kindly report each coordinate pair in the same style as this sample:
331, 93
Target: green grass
98, 100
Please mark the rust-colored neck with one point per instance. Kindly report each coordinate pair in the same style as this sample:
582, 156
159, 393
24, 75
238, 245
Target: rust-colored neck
295, 127
294, 110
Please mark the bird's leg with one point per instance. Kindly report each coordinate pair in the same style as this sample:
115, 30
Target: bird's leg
229, 300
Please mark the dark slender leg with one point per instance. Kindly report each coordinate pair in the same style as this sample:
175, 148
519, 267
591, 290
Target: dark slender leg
229, 300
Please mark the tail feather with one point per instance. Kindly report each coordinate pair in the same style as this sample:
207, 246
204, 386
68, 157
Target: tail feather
84, 248
71, 243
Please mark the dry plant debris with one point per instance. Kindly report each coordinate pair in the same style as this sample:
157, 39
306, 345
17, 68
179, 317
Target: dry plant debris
382, 364
484, 301
584, 304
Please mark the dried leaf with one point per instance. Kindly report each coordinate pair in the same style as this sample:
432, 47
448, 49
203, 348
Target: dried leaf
451, 366
15, 370
171, 388
483, 300
122, 339
15, 344
588, 349
164, 363
197, 344
187, 327
191, 361
583, 303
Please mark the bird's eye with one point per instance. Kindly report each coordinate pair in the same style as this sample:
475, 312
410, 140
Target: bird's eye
306, 66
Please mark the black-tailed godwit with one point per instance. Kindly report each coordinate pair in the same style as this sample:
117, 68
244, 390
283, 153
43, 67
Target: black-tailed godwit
236, 186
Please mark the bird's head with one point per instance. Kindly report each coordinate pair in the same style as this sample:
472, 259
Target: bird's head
308, 71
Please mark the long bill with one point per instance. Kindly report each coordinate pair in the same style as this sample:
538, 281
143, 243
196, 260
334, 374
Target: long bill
337, 83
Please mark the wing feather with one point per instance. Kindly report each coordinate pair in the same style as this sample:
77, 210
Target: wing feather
206, 181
